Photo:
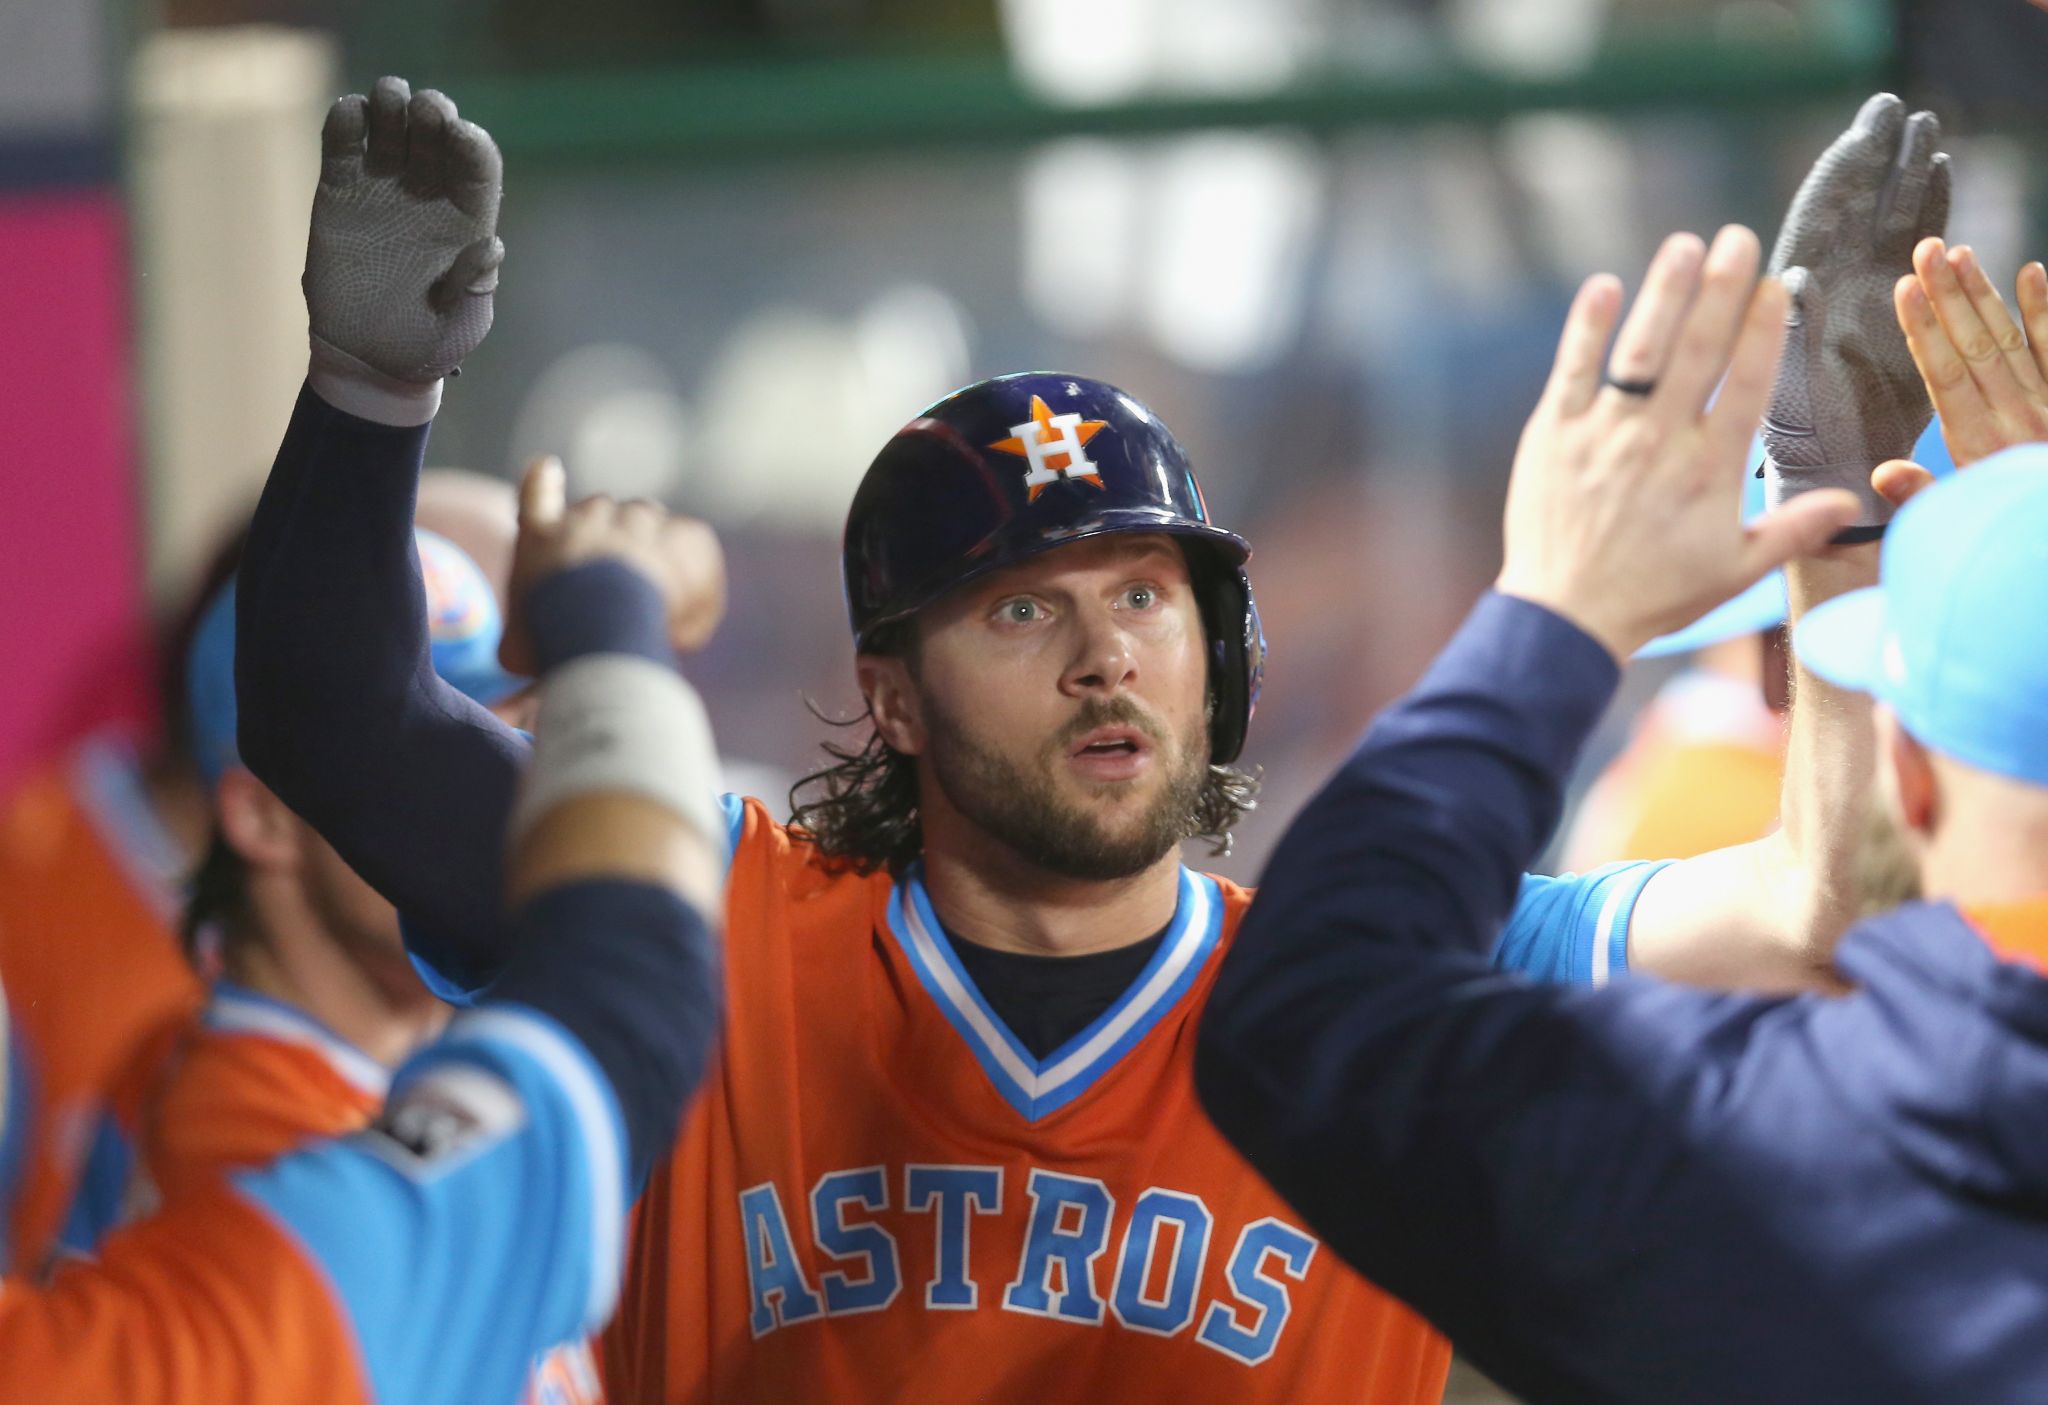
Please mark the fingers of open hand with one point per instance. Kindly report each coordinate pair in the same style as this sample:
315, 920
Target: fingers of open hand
1575, 374
1941, 365
385, 155
2018, 361
1959, 317
2033, 299
1752, 369
1707, 338
1643, 347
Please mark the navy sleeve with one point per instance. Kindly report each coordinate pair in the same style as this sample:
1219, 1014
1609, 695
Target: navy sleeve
1449, 1128
341, 711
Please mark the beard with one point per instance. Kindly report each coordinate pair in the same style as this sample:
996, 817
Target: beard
1023, 809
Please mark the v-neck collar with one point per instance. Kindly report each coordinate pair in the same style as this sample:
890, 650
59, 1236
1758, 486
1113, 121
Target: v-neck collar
1038, 1087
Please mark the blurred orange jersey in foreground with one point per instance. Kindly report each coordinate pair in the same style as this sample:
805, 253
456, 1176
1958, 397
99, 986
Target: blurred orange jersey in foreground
881, 1196
98, 986
256, 1078
211, 1300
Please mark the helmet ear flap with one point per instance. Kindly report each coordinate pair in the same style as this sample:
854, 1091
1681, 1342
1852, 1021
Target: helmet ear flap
1237, 657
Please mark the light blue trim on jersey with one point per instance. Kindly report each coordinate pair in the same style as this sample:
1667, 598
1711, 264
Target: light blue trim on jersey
1573, 929
456, 1269
107, 783
597, 1113
735, 807
1037, 1087
17, 1118
234, 1009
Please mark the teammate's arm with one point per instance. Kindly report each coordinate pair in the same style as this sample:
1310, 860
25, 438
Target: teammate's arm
1847, 400
341, 712
481, 1221
1414, 1103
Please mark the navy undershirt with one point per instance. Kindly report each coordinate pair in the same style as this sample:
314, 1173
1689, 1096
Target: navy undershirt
1047, 1000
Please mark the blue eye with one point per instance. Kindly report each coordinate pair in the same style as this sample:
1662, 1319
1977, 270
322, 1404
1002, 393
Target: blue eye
1142, 597
1019, 611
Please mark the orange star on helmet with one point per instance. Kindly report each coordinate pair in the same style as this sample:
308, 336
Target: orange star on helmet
1054, 446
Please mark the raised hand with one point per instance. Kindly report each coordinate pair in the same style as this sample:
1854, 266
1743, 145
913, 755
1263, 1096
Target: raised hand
403, 256
680, 555
1624, 510
1848, 396
1988, 373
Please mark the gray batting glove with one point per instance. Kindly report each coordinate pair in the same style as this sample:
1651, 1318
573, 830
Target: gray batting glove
1848, 396
404, 251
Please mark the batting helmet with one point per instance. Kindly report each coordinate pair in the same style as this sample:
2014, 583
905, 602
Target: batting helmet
1021, 464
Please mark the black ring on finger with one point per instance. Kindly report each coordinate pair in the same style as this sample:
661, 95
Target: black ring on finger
1642, 388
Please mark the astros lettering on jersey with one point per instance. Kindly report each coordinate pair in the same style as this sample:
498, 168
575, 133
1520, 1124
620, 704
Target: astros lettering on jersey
882, 1196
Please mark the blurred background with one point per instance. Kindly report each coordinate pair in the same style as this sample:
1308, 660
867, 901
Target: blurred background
1329, 240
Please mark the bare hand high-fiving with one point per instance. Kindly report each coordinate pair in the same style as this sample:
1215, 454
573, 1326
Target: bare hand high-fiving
403, 256
680, 555
1624, 510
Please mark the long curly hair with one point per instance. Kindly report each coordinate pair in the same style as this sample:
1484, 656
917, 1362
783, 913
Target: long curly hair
862, 813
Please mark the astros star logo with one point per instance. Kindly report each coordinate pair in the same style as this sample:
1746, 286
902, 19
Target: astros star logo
1056, 447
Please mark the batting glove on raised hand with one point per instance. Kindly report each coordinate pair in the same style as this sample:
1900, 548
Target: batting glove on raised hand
1848, 396
404, 252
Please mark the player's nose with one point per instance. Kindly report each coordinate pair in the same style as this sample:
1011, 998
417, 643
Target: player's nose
1103, 659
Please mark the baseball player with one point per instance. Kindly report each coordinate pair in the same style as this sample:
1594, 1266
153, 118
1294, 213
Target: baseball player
481, 1221
952, 1146
1681, 1197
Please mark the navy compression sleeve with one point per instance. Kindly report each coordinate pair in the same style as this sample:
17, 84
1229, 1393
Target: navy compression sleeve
1389, 888
341, 711
631, 970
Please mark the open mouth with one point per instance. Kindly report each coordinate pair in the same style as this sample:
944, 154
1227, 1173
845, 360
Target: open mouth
1112, 741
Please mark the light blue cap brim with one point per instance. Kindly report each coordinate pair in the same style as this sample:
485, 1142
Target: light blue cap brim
1759, 608
1843, 640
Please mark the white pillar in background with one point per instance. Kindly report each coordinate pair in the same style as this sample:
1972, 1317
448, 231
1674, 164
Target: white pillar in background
225, 155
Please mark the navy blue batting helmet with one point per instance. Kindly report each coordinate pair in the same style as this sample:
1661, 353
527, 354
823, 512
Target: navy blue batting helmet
1014, 466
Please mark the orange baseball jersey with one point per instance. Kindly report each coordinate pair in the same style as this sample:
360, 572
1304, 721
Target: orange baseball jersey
99, 987
882, 1196
427, 1260
257, 1078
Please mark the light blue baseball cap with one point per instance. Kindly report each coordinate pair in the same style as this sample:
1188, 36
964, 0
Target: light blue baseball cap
1764, 606
1954, 637
463, 621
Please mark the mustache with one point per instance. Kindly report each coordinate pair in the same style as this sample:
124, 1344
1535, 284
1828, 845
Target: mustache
1109, 712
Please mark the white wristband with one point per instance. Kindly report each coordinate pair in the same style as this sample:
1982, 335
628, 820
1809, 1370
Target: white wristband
620, 722
361, 390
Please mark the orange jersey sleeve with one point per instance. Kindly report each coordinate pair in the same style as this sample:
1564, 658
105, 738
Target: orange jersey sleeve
880, 1197
95, 978
234, 1098
256, 1079
210, 1301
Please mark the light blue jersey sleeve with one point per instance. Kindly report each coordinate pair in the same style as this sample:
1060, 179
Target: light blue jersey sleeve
17, 1114
462, 989
1573, 929
480, 1223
